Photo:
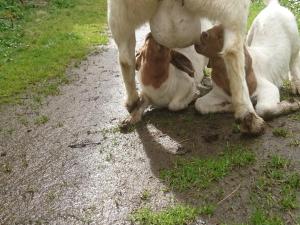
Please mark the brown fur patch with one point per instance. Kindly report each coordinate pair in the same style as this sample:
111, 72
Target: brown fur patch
211, 44
153, 62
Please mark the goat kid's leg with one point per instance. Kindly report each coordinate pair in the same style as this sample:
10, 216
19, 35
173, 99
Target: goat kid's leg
233, 54
213, 102
268, 102
295, 74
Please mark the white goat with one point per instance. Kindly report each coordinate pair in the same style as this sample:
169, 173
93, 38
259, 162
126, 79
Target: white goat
274, 46
166, 77
183, 16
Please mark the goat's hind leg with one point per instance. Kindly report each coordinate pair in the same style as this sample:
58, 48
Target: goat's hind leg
213, 102
295, 74
269, 105
233, 53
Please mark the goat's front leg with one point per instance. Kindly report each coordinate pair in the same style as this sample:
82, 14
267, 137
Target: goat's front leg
127, 62
233, 54
125, 40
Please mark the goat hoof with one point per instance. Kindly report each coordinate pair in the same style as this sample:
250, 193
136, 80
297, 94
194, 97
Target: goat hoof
296, 87
133, 105
127, 124
252, 124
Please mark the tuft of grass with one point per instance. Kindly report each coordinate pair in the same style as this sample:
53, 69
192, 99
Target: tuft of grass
286, 91
294, 143
276, 192
39, 39
277, 162
145, 195
176, 215
6, 168
259, 217
280, 132
295, 116
200, 173
41, 120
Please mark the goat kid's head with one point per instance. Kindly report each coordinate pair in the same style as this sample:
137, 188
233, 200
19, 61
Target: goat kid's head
153, 52
211, 42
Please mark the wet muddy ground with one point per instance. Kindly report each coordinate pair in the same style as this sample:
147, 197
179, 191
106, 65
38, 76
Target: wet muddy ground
67, 162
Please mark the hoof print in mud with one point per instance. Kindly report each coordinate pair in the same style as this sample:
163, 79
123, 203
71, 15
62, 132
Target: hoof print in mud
252, 124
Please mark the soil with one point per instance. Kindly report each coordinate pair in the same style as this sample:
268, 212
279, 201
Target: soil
78, 168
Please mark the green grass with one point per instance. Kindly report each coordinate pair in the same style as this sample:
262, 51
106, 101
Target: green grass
40, 120
280, 132
275, 194
260, 218
200, 173
294, 143
176, 215
43, 40
295, 116
145, 195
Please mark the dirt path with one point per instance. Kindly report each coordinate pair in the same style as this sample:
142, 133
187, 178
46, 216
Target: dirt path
77, 168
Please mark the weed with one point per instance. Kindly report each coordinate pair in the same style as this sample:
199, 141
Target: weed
295, 116
207, 210
280, 132
145, 195
294, 143
176, 215
6, 168
259, 217
51, 195
278, 162
201, 173
41, 120
24, 121
276, 193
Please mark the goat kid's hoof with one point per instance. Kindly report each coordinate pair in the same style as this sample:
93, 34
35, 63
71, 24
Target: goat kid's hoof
252, 124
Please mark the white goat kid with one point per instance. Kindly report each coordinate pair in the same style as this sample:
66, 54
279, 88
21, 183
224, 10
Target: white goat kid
166, 78
273, 44
127, 15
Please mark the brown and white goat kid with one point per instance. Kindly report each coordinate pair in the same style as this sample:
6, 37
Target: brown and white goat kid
274, 51
175, 24
166, 78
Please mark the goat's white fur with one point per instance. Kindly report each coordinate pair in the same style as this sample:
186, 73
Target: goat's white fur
126, 15
273, 43
177, 92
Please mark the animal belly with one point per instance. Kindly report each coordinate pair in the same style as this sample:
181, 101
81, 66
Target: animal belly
174, 26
